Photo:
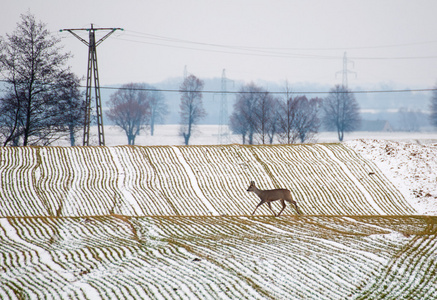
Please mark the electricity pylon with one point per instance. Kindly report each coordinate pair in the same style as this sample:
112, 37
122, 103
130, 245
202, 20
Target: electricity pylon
92, 72
345, 70
223, 134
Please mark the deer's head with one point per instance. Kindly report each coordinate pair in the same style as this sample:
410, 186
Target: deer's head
251, 187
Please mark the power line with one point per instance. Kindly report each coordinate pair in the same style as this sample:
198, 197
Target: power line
271, 92
275, 92
241, 52
152, 39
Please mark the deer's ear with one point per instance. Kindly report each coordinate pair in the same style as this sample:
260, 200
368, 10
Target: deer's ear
252, 183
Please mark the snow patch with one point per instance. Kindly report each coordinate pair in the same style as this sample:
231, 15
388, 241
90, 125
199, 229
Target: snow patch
412, 168
45, 258
120, 182
355, 180
193, 181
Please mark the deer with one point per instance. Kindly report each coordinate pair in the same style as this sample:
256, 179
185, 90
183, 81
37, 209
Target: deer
268, 196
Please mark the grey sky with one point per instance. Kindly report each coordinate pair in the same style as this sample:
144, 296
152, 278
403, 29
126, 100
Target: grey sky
392, 42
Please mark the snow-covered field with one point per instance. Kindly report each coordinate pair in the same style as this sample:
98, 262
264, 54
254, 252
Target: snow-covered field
325, 179
172, 222
408, 159
411, 167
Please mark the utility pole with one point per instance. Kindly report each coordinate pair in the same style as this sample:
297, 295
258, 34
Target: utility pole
345, 70
223, 134
92, 73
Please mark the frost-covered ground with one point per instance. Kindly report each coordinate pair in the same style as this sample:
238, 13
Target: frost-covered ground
411, 167
104, 251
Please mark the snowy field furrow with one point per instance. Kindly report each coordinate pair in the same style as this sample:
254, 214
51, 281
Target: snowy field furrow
385, 195
17, 187
221, 176
176, 186
216, 257
328, 189
174, 222
191, 181
400, 277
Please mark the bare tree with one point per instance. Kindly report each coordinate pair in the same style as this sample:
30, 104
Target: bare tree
241, 122
307, 120
273, 126
341, 111
299, 119
10, 119
33, 68
286, 117
287, 121
236, 123
158, 108
265, 113
130, 109
72, 105
433, 108
254, 112
191, 107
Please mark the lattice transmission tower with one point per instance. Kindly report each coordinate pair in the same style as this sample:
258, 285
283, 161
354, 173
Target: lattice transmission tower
345, 70
93, 77
223, 130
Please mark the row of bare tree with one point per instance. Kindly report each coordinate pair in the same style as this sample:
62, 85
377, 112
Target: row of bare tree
134, 107
41, 100
260, 117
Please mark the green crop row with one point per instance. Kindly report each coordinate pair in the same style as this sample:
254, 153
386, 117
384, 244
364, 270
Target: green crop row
218, 257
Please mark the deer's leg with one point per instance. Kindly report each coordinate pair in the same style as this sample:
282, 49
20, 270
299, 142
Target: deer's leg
297, 209
283, 206
270, 206
259, 204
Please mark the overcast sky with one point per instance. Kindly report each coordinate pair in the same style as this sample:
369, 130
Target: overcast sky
392, 42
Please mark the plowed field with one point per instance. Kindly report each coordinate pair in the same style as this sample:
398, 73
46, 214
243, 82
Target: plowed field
174, 222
